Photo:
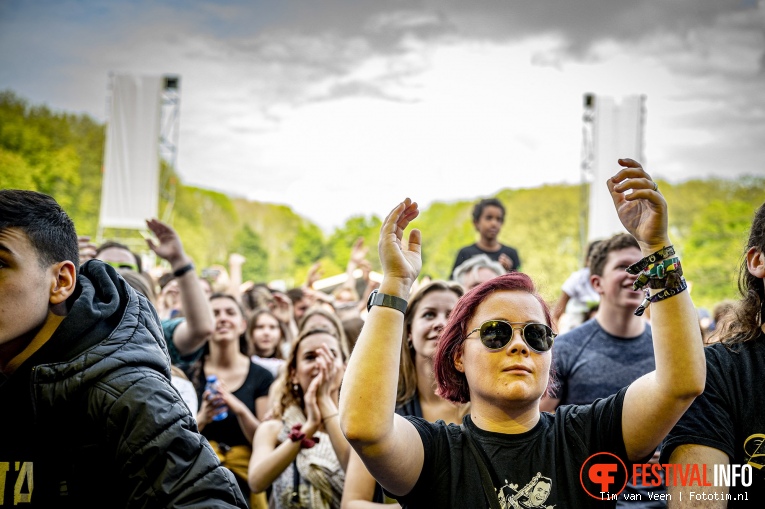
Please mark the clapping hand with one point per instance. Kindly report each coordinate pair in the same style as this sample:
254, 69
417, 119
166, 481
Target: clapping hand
399, 262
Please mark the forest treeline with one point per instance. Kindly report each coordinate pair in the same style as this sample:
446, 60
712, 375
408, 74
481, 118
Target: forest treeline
60, 154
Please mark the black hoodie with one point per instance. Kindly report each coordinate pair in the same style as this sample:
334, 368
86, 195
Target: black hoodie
91, 419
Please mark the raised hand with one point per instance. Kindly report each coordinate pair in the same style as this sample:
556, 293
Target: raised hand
643, 212
358, 252
399, 262
170, 247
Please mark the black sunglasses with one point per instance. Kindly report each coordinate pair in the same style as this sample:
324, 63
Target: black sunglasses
496, 334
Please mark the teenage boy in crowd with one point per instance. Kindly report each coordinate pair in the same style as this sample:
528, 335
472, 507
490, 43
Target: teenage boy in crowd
613, 349
90, 418
488, 218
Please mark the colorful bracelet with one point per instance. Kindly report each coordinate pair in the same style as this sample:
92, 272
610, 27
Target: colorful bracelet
656, 275
659, 255
296, 435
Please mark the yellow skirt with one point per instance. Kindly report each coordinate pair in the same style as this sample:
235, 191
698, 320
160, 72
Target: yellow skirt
237, 459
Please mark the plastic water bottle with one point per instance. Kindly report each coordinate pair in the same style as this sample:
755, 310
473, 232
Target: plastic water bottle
212, 386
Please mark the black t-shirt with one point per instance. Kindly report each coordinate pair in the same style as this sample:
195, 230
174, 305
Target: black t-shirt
228, 431
544, 460
730, 414
473, 250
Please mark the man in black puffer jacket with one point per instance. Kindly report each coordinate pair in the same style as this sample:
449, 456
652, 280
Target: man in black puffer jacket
89, 418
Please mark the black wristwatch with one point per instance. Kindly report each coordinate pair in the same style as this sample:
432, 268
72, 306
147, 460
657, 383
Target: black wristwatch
383, 299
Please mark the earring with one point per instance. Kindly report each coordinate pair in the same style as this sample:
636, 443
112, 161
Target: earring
295, 389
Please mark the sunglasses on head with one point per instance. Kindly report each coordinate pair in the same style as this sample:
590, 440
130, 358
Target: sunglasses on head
496, 334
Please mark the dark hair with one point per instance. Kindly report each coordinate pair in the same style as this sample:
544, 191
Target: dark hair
452, 384
295, 294
600, 252
252, 322
116, 245
487, 202
196, 371
746, 322
49, 229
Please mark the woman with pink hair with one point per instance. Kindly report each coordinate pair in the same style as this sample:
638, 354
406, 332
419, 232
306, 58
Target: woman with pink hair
495, 351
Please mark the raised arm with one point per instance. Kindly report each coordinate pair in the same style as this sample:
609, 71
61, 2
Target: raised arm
655, 401
388, 444
193, 332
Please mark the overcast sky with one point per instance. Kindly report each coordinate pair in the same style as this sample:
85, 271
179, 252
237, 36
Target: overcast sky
344, 107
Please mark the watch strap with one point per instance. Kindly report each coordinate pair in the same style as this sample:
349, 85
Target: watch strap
388, 301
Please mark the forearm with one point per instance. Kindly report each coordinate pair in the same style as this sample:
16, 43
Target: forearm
248, 423
368, 398
340, 445
264, 471
196, 308
689, 454
678, 345
359, 489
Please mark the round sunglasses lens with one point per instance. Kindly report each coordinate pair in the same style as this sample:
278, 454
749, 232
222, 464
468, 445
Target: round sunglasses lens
495, 335
537, 336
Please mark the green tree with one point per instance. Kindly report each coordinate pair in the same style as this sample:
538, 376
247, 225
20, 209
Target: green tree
249, 244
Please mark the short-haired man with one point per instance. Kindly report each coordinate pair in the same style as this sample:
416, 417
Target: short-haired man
89, 416
476, 270
488, 218
613, 349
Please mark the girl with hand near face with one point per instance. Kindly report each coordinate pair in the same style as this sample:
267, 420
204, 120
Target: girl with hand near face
301, 453
495, 353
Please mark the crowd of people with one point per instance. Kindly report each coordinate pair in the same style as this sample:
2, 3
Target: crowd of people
194, 388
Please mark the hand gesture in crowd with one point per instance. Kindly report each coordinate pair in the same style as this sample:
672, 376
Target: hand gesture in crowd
87, 248
170, 247
358, 252
314, 274
320, 398
400, 262
643, 212
282, 307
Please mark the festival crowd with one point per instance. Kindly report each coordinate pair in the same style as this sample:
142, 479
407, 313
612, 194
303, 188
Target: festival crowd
122, 387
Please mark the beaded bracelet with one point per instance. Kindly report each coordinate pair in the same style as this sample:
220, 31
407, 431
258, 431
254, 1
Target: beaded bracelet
659, 255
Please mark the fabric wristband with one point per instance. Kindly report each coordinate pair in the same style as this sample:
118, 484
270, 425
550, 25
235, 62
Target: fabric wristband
659, 255
664, 294
656, 275
181, 271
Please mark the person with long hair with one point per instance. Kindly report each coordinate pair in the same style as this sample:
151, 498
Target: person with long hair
495, 352
301, 453
725, 426
267, 336
242, 389
425, 317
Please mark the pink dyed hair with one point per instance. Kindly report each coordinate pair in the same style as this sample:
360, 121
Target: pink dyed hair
452, 384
